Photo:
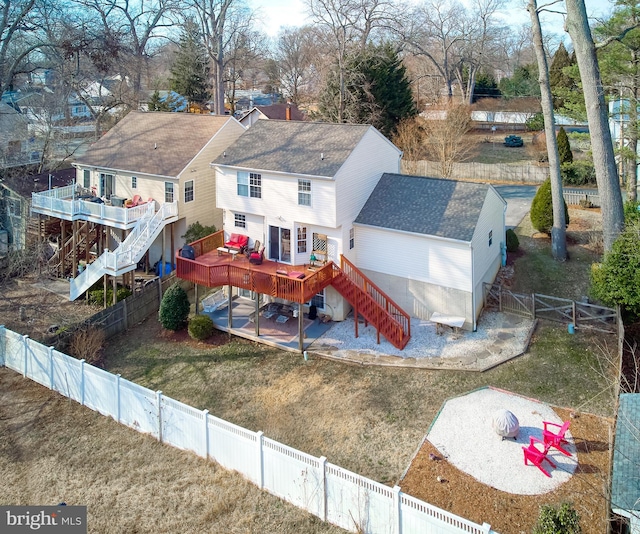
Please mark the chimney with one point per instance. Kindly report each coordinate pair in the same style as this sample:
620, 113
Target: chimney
287, 112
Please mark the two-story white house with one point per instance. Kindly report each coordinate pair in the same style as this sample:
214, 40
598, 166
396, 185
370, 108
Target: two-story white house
300, 188
138, 188
288, 184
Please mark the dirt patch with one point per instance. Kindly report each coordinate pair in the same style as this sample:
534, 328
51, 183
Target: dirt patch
182, 337
33, 311
463, 495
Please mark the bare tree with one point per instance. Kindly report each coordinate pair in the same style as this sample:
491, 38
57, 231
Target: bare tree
434, 30
601, 144
245, 48
558, 230
293, 55
479, 47
220, 20
137, 24
409, 138
351, 23
446, 140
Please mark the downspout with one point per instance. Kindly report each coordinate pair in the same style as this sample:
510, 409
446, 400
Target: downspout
473, 287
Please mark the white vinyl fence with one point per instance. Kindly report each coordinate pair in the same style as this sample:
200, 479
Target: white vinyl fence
331, 493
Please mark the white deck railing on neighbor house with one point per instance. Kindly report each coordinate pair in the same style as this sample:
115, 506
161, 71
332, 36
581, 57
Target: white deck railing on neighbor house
327, 491
127, 255
61, 202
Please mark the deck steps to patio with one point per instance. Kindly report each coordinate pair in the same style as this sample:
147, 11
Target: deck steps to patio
62, 261
374, 305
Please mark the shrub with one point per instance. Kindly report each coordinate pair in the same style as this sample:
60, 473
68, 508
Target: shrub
96, 296
631, 211
542, 209
617, 279
535, 123
174, 308
564, 148
196, 231
200, 327
512, 240
561, 519
578, 173
86, 344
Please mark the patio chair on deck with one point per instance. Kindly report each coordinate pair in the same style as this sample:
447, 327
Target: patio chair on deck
536, 456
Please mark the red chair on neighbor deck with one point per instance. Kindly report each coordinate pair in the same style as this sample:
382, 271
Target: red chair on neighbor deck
555, 439
536, 456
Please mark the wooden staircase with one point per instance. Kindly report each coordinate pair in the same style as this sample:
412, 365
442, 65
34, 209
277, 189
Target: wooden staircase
370, 302
62, 261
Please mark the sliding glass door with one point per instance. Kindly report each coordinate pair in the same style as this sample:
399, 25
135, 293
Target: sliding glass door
279, 244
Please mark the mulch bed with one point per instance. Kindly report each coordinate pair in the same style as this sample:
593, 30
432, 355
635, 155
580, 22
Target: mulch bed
507, 513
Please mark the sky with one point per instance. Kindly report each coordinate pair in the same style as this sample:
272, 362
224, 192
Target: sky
277, 13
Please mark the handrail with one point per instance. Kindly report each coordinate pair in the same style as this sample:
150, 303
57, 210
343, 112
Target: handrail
368, 286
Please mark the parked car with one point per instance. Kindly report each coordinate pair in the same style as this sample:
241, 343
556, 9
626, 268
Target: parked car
513, 140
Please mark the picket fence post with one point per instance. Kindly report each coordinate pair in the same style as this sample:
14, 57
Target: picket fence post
118, 397
26, 355
3, 343
51, 370
322, 468
82, 362
260, 435
205, 415
159, 408
397, 509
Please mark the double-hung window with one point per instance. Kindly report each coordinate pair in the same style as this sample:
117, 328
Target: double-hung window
249, 184
188, 191
304, 192
134, 182
302, 239
168, 191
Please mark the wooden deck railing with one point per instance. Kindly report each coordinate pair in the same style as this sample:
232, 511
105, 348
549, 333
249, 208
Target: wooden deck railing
209, 243
252, 278
373, 304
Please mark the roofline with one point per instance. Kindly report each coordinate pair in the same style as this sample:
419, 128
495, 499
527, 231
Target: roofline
97, 167
211, 139
431, 236
268, 171
497, 193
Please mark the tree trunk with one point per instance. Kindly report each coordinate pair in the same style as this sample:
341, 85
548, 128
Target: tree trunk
632, 172
597, 116
558, 231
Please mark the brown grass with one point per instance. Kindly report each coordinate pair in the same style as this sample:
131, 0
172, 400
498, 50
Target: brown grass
54, 450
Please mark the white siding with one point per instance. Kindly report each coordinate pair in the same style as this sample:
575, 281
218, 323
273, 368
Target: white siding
280, 198
420, 258
359, 175
491, 220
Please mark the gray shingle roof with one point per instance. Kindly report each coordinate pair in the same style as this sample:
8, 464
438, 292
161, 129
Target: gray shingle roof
153, 143
430, 206
625, 482
311, 148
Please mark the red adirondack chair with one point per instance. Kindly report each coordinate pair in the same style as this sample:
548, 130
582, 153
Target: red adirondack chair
555, 439
536, 456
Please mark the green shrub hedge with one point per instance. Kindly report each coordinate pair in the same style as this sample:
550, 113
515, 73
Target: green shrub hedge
512, 240
200, 327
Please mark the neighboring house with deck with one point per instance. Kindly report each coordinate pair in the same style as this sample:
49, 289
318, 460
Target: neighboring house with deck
137, 190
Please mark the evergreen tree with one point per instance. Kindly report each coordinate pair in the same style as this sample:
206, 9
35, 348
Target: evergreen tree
542, 209
561, 82
485, 87
378, 91
524, 82
190, 69
156, 103
564, 148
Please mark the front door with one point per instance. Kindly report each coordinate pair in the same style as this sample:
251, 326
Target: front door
279, 244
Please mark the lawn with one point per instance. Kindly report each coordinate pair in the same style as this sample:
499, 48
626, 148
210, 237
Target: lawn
367, 419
